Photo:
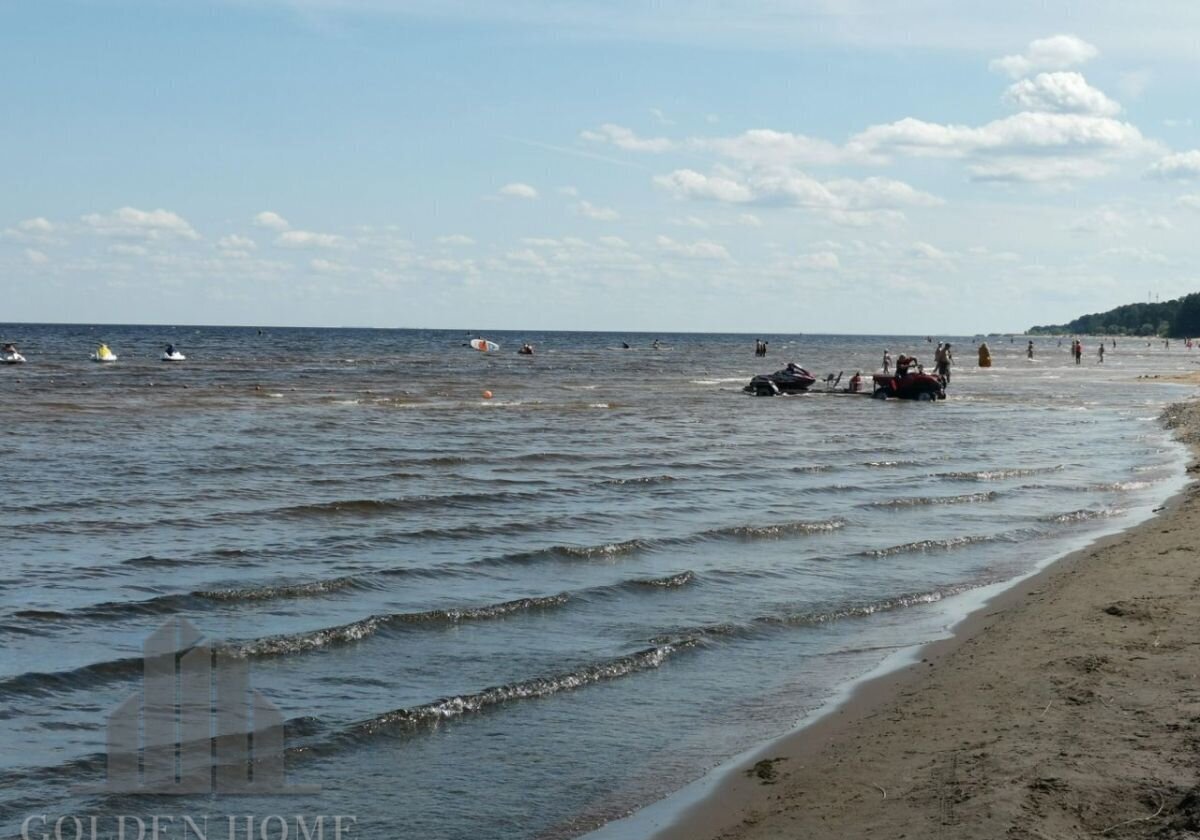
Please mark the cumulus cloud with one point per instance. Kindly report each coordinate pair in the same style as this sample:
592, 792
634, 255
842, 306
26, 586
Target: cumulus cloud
124, 249
1063, 93
1181, 166
1034, 170
36, 257
519, 190
271, 221
785, 187
322, 266
37, 227
1026, 132
455, 239
701, 249
625, 138
765, 147
144, 224
599, 214
235, 242
688, 183
38, 231
1030, 146
309, 239
1111, 220
818, 261
1055, 53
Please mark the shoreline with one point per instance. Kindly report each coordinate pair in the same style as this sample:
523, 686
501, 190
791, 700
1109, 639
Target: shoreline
861, 765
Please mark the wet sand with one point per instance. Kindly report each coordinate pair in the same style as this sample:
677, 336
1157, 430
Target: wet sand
1069, 707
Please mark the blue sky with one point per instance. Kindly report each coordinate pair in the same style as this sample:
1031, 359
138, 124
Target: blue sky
769, 165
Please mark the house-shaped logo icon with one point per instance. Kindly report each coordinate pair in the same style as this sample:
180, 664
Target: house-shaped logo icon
197, 727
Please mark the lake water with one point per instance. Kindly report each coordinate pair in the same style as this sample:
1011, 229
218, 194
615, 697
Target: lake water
521, 616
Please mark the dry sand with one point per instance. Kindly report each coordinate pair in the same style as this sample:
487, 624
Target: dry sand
1068, 708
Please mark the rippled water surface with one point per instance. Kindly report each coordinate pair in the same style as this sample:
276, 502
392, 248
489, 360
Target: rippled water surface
523, 616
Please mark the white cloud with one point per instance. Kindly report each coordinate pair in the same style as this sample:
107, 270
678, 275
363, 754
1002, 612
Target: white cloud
1181, 166
1027, 132
327, 266
701, 249
271, 221
927, 254
309, 239
125, 250
1190, 201
660, 117
144, 224
1032, 146
766, 147
39, 231
688, 183
36, 257
38, 226
749, 220
818, 261
1136, 254
235, 242
455, 239
624, 138
519, 190
1063, 93
613, 242
1035, 170
1110, 220
599, 214
1055, 53
784, 187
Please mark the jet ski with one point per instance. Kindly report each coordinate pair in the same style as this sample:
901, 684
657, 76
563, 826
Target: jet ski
103, 354
793, 379
917, 385
174, 356
12, 358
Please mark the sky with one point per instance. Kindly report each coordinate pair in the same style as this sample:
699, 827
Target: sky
857, 166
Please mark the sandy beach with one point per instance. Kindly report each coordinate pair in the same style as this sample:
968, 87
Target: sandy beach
1068, 707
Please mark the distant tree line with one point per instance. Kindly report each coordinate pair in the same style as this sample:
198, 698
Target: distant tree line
1171, 319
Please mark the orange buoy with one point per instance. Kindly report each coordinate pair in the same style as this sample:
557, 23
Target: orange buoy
487, 395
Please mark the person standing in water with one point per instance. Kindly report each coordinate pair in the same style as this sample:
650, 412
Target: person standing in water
1029, 351
942, 361
887, 361
1100, 353
1078, 352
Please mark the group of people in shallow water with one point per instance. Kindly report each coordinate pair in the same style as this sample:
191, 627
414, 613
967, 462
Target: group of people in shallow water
943, 359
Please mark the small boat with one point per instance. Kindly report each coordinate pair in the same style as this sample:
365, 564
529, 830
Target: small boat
484, 346
174, 357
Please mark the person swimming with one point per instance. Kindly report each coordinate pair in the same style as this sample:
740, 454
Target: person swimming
526, 350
